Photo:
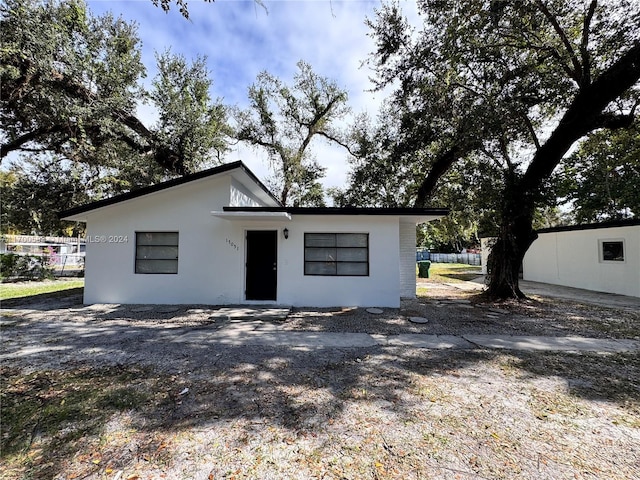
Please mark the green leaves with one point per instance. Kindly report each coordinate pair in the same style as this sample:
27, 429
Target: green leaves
71, 85
182, 5
507, 83
68, 76
33, 194
601, 178
190, 123
284, 119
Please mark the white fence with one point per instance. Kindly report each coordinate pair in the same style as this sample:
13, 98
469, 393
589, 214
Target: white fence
62, 264
67, 263
468, 258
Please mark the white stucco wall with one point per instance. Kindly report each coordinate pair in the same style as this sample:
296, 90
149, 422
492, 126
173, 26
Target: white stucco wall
381, 288
207, 265
241, 197
212, 253
407, 260
573, 259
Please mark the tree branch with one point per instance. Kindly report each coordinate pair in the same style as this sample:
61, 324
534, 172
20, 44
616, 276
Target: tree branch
613, 121
584, 44
504, 150
320, 114
344, 145
532, 131
585, 114
439, 167
311, 126
542, 47
490, 154
133, 123
577, 68
17, 143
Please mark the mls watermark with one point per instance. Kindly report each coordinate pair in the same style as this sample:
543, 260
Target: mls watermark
107, 239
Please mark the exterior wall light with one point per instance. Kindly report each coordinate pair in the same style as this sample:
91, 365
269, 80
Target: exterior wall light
285, 232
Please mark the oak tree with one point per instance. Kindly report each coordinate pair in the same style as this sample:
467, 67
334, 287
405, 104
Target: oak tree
283, 120
600, 179
71, 84
513, 82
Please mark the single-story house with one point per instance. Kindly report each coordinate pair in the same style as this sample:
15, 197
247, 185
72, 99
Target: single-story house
604, 257
220, 237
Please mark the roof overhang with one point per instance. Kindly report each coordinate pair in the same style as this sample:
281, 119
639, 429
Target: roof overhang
629, 222
416, 219
405, 215
253, 216
249, 181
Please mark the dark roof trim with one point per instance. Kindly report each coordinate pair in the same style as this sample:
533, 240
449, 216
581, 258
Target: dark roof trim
227, 167
592, 226
343, 210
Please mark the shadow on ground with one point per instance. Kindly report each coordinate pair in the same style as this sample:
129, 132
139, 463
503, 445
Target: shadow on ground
459, 276
70, 296
54, 412
62, 387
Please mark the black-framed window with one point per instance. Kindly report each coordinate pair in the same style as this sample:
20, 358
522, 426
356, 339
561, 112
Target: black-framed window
156, 252
612, 250
336, 254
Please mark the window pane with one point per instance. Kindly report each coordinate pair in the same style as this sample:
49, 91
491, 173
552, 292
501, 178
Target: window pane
319, 268
157, 238
320, 254
353, 269
156, 266
352, 240
156, 252
320, 240
613, 251
336, 254
352, 255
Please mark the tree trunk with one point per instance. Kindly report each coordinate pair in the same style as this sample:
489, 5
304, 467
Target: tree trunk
504, 265
514, 239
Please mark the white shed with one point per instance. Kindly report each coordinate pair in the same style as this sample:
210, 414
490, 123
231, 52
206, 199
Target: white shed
220, 237
604, 257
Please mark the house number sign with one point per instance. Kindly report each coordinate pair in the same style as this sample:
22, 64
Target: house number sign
232, 245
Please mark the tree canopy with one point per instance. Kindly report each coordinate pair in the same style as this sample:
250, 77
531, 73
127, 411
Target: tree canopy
284, 120
71, 83
32, 194
600, 179
504, 82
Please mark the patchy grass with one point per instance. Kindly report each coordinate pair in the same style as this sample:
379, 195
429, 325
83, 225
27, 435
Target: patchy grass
453, 272
572, 317
29, 289
50, 417
380, 412
601, 377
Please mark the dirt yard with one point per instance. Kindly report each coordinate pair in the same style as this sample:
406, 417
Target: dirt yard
103, 393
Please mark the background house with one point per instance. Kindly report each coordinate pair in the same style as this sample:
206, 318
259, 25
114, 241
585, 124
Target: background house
604, 257
220, 237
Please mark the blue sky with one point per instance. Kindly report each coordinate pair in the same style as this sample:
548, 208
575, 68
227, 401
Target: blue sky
240, 39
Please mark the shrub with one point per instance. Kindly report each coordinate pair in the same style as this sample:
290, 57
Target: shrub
29, 267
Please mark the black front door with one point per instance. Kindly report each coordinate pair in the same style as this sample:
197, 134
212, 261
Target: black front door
262, 264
